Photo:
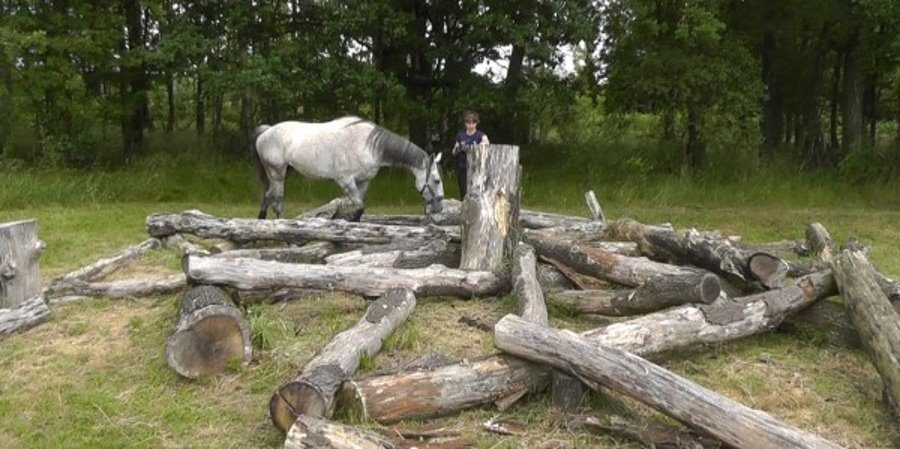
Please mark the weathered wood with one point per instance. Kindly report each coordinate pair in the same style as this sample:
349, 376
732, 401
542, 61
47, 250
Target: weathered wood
103, 267
312, 391
20, 249
338, 207
525, 286
309, 432
119, 289
781, 248
873, 316
490, 210
254, 274
291, 231
769, 270
651, 433
24, 316
551, 278
210, 334
422, 393
600, 302
183, 244
272, 296
440, 252
629, 249
819, 242
594, 206
698, 407
314, 252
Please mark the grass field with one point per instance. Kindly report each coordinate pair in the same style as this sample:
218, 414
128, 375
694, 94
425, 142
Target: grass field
95, 376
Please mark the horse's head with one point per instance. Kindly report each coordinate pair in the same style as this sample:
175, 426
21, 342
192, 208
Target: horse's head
430, 186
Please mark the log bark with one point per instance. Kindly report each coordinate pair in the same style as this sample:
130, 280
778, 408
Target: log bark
254, 274
314, 252
525, 286
103, 267
551, 279
873, 316
291, 231
819, 242
312, 392
118, 289
440, 252
20, 249
184, 245
23, 316
490, 210
312, 432
706, 250
422, 393
652, 433
698, 407
594, 206
210, 334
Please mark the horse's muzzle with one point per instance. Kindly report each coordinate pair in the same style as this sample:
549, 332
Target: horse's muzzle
434, 205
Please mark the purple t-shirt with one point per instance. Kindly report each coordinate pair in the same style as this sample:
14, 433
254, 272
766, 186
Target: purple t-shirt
464, 139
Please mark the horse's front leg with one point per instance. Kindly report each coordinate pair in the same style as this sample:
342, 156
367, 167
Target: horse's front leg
350, 188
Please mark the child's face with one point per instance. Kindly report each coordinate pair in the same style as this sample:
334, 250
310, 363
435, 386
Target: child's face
471, 124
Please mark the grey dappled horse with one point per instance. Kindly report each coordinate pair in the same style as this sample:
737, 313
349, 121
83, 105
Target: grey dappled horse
348, 150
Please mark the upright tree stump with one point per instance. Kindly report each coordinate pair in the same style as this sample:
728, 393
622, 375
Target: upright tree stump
20, 277
490, 210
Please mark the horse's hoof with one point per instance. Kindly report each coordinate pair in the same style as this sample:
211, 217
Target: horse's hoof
357, 215
261, 216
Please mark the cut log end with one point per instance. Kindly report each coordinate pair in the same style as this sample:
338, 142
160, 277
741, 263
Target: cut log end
208, 342
292, 400
771, 271
710, 288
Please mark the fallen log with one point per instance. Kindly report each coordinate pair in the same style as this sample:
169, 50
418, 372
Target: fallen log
436, 252
210, 334
551, 278
874, 318
651, 433
594, 206
312, 391
24, 316
254, 274
525, 287
20, 275
290, 231
314, 252
696, 406
316, 433
423, 393
118, 289
272, 296
184, 245
103, 267
819, 242
490, 210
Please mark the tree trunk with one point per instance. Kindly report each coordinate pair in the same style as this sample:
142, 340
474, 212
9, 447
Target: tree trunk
253, 274
657, 387
851, 111
200, 105
773, 105
870, 108
101, 268
24, 316
695, 148
835, 101
137, 79
526, 290
423, 393
135, 288
312, 392
875, 319
490, 210
435, 252
315, 252
247, 114
170, 97
210, 334
217, 115
309, 432
811, 133
20, 249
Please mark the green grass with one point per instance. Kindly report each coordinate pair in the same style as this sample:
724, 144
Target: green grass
95, 376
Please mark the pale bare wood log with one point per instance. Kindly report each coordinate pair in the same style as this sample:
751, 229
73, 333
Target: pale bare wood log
595, 301
337, 207
769, 270
291, 231
698, 407
440, 252
594, 206
490, 210
24, 316
103, 267
819, 242
309, 432
449, 216
184, 245
629, 249
119, 289
649, 432
312, 391
551, 278
422, 393
579, 280
526, 289
274, 295
20, 275
210, 334
874, 318
314, 252
255, 274
781, 248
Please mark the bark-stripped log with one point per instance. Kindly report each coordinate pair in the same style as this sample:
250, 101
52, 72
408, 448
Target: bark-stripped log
525, 287
819, 242
20, 276
103, 267
696, 406
454, 387
653, 433
337, 207
312, 391
874, 318
183, 244
23, 316
706, 250
210, 334
314, 252
291, 231
119, 289
551, 279
594, 206
436, 252
254, 274
490, 210
309, 432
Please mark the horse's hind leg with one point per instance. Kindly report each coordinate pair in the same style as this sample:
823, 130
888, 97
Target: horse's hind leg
350, 188
274, 195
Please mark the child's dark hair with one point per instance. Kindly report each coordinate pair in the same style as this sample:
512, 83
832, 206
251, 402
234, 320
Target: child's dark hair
470, 115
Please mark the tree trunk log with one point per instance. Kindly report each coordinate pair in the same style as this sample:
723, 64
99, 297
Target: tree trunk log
309, 432
118, 289
20, 249
490, 210
594, 206
551, 279
698, 407
291, 231
210, 334
312, 392
253, 274
424, 393
436, 252
183, 244
23, 316
315, 252
652, 433
819, 242
102, 267
526, 290
874, 317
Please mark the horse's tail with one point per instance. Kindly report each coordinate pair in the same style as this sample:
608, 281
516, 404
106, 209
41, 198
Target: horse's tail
254, 151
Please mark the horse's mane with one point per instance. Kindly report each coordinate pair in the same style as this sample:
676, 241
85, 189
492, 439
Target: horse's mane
396, 150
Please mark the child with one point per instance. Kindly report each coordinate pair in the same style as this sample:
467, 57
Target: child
464, 140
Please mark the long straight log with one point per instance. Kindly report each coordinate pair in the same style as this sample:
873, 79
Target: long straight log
873, 316
696, 406
183, 244
314, 252
119, 289
103, 267
436, 252
291, 231
309, 432
447, 389
490, 210
254, 274
24, 316
525, 287
312, 391
210, 334
20, 275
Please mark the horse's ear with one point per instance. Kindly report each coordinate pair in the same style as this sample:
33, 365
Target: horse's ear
437, 159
